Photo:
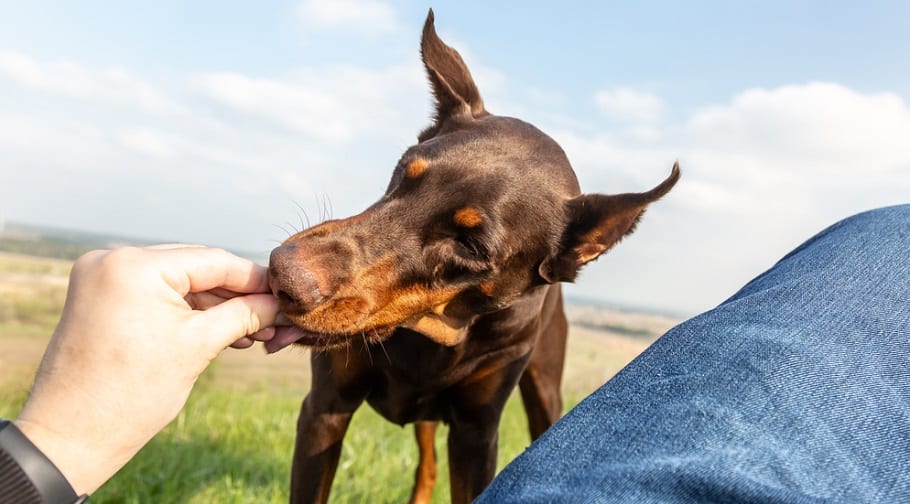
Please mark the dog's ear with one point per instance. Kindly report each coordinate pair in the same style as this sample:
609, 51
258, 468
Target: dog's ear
596, 222
453, 87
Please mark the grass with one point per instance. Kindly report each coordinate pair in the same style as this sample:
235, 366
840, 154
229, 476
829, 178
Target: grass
233, 441
25, 264
226, 446
40, 308
234, 446
32, 291
230, 446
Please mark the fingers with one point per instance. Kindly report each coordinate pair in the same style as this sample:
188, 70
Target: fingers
242, 343
185, 268
208, 299
261, 335
233, 292
239, 319
197, 269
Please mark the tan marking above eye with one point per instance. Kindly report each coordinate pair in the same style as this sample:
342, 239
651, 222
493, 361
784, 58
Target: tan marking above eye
416, 167
468, 217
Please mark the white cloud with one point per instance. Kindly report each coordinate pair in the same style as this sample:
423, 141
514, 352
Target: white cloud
801, 144
824, 126
59, 148
309, 111
761, 173
114, 85
629, 105
364, 17
225, 172
816, 135
148, 142
336, 103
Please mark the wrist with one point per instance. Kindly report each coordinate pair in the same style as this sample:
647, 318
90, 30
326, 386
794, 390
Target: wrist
77, 464
27, 474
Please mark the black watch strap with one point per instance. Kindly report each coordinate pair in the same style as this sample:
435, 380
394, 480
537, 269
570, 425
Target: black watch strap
27, 475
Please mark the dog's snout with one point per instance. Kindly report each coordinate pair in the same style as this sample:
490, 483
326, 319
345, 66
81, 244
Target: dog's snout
291, 282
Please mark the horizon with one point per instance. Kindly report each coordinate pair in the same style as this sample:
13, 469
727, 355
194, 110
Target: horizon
96, 239
220, 124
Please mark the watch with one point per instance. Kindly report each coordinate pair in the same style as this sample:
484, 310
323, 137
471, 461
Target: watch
27, 476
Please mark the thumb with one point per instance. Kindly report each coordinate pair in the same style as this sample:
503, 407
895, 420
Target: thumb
238, 317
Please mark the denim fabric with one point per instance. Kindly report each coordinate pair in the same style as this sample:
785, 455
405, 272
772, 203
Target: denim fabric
796, 389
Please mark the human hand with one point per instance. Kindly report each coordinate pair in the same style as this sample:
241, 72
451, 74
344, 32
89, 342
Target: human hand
138, 328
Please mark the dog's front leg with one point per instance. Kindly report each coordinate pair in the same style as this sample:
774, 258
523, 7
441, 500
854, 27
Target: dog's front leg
474, 428
316, 452
472, 458
324, 418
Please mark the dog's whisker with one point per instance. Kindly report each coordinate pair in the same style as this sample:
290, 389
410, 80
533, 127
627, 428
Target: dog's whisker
283, 229
378, 339
294, 229
323, 214
348, 344
319, 210
366, 345
327, 204
382, 346
304, 217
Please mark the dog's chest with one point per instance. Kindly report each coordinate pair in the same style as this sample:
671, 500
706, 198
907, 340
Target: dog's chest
411, 377
415, 379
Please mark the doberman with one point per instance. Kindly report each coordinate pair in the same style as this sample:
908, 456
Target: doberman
438, 299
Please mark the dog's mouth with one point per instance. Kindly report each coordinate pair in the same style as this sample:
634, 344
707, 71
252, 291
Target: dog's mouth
287, 334
290, 334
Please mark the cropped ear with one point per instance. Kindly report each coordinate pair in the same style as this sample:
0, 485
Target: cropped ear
596, 222
453, 87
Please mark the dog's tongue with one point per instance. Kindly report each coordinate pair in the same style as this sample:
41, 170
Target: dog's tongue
284, 336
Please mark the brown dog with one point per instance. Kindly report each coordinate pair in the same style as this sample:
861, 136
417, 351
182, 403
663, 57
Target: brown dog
443, 295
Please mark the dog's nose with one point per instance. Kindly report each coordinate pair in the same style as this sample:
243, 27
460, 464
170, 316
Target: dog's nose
292, 283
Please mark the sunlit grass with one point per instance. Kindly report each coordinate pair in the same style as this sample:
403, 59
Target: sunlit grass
22, 264
236, 446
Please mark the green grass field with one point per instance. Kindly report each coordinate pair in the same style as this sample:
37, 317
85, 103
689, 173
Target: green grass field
233, 442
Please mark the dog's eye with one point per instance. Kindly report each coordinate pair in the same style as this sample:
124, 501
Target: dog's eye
457, 259
471, 249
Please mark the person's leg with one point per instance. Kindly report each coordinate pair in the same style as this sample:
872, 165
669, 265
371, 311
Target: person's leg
796, 389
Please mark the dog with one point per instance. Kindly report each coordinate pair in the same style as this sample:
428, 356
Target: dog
441, 297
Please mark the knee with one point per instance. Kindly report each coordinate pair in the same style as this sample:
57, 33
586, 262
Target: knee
874, 232
882, 219
868, 247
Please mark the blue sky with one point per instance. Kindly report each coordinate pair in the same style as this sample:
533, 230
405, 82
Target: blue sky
210, 122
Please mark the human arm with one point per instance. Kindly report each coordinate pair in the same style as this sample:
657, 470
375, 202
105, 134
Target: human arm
138, 328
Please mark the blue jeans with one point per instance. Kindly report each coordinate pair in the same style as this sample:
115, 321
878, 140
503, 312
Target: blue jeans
796, 389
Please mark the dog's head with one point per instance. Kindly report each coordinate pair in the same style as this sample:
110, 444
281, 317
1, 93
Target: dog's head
483, 210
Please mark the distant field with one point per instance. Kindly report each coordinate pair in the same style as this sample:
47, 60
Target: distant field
233, 442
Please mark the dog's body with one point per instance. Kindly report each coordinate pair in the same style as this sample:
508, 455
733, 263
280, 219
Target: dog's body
437, 300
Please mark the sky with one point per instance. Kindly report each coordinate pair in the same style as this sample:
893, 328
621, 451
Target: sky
233, 124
